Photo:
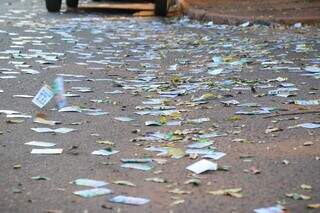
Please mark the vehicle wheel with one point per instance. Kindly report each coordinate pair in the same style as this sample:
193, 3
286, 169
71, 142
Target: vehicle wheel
53, 5
72, 3
161, 7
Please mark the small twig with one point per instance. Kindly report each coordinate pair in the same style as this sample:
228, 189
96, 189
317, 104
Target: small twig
293, 113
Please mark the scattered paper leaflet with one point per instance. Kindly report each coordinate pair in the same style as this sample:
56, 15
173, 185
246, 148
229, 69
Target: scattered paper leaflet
43, 97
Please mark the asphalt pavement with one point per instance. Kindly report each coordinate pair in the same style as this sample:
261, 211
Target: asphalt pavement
158, 95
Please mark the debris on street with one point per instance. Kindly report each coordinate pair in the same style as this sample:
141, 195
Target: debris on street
171, 114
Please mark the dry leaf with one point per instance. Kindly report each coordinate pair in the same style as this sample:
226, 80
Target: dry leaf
175, 152
236, 192
308, 143
41, 120
297, 196
306, 187
156, 180
109, 143
194, 182
314, 206
177, 202
160, 161
163, 119
254, 170
14, 121
234, 118
275, 129
180, 192
124, 183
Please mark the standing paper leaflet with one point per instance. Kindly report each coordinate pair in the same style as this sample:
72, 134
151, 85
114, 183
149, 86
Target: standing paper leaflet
58, 89
44, 95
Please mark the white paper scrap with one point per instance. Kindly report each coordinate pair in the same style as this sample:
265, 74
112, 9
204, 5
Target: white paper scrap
47, 151
64, 130
30, 71
93, 192
310, 125
43, 97
104, 152
9, 112
215, 155
48, 130
40, 143
202, 166
129, 200
70, 109
89, 182
42, 130
273, 209
18, 116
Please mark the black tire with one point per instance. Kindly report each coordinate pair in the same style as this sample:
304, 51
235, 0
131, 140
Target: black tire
72, 3
53, 5
161, 7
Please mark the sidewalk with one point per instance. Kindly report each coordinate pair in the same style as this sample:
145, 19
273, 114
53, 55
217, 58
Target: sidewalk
266, 11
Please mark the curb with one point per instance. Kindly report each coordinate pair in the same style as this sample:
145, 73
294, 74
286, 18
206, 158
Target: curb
204, 15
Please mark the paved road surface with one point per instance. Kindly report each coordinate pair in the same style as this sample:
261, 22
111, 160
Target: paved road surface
158, 64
